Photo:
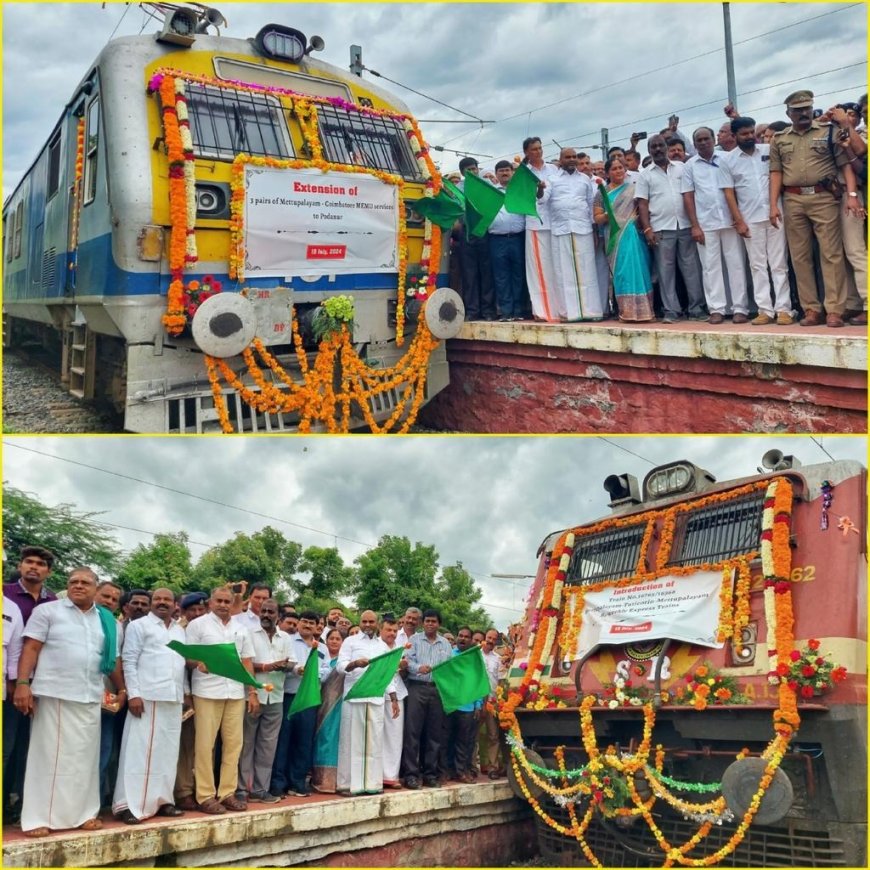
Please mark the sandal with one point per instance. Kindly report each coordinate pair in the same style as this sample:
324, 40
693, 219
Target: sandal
37, 832
91, 825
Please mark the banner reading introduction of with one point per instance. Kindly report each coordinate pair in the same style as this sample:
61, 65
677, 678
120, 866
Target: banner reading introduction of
682, 608
301, 222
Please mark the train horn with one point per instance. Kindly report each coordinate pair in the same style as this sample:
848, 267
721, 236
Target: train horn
316, 43
776, 460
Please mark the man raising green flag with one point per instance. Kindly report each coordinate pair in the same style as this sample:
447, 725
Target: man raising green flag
462, 679
478, 291
369, 669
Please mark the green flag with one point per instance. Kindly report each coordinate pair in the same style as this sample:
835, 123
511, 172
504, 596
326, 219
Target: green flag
308, 693
521, 193
453, 190
221, 659
615, 229
482, 203
462, 680
381, 669
443, 210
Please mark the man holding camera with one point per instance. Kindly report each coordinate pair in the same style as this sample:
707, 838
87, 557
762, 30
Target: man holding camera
803, 166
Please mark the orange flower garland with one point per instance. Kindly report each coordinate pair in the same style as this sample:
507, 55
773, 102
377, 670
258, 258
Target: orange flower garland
77, 193
776, 552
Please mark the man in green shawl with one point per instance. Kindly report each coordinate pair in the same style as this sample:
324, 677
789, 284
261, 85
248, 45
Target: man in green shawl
69, 645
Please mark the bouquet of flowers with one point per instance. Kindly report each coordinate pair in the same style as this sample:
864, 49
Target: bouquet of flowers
332, 315
807, 671
605, 786
195, 293
705, 686
623, 693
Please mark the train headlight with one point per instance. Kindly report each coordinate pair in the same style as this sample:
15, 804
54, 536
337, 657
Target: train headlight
224, 325
669, 480
281, 43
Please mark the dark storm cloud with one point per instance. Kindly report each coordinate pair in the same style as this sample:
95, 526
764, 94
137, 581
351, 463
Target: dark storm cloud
490, 60
485, 502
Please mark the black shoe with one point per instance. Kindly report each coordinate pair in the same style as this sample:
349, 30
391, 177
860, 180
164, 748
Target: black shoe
170, 810
412, 782
127, 818
431, 781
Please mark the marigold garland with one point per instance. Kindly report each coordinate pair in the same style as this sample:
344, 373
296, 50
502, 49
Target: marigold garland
315, 398
77, 194
776, 561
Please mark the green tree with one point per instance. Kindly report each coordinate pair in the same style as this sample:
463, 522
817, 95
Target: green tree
263, 557
75, 537
164, 562
459, 595
395, 575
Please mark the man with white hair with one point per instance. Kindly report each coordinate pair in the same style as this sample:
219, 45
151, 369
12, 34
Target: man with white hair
361, 738
157, 687
69, 645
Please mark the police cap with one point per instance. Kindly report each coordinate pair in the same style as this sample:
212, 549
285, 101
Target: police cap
799, 100
193, 598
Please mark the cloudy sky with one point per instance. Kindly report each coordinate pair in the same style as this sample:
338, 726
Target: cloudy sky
486, 502
559, 71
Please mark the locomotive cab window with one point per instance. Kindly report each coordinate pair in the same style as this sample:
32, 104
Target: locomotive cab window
225, 122
718, 531
609, 555
92, 138
353, 139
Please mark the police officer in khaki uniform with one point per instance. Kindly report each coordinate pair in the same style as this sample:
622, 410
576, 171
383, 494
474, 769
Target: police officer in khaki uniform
803, 167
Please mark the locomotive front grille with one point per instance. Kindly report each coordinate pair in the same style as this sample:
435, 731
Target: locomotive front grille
762, 846
608, 555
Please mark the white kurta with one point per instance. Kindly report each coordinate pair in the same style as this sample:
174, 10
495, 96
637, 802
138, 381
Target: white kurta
540, 271
394, 730
61, 781
149, 746
361, 738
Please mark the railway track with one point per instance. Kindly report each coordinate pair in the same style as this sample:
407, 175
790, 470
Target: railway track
35, 401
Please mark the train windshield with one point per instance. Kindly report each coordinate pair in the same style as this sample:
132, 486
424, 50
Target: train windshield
718, 531
226, 122
608, 555
353, 139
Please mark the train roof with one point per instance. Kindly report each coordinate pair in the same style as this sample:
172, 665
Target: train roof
811, 475
143, 49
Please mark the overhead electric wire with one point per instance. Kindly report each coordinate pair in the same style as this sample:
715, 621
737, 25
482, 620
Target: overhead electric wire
620, 447
673, 64
126, 10
819, 445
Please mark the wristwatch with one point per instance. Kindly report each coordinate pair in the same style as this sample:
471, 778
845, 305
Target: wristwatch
853, 194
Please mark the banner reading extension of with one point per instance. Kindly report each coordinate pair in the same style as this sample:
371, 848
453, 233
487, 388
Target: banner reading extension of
306, 222
682, 608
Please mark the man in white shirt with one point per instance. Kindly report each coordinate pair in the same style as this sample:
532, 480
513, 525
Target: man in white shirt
666, 229
410, 624
393, 726
713, 231
540, 271
157, 687
744, 177
568, 196
506, 251
361, 744
272, 657
250, 618
295, 753
220, 707
495, 670
69, 647
13, 639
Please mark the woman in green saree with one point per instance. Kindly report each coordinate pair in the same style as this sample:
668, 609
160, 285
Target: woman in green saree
614, 206
323, 778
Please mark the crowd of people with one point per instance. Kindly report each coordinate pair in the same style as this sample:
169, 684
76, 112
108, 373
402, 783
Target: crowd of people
100, 712
760, 222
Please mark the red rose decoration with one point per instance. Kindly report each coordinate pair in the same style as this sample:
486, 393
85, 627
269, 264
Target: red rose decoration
794, 655
807, 691
813, 644
808, 671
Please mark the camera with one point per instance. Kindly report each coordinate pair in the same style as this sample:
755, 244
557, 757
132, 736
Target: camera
238, 588
639, 136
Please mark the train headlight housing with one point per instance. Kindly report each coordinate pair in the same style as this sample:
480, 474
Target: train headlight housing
281, 43
669, 480
179, 27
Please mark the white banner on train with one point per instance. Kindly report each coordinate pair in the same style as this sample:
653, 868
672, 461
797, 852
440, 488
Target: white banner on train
683, 608
302, 222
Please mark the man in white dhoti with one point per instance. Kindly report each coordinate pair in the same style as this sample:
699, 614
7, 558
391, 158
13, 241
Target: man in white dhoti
540, 273
70, 644
568, 196
361, 739
157, 688
394, 726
